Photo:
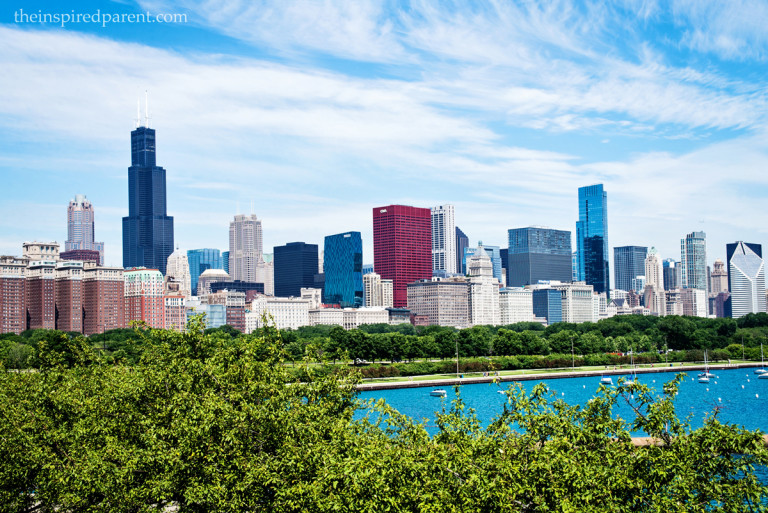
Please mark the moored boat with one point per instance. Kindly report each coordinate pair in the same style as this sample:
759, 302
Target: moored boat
438, 392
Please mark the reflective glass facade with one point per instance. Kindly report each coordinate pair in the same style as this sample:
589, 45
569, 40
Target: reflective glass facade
462, 242
592, 238
201, 260
537, 253
343, 269
295, 267
693, 259
548, 303
148, 230
628, 264
493, 252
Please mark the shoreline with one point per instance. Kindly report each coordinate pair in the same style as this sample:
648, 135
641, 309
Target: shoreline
538, 376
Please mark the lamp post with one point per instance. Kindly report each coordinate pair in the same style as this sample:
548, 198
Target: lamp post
457, 357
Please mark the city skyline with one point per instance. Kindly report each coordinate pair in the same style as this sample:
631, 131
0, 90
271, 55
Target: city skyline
315, 131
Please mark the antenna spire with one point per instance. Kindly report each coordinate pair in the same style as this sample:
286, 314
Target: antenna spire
138, 112
146, 108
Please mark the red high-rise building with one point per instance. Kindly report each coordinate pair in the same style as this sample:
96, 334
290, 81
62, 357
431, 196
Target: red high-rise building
402, 247
41, 297
13, 294
103, 299
68, 296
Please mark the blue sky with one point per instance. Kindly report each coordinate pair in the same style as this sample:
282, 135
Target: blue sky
316, 112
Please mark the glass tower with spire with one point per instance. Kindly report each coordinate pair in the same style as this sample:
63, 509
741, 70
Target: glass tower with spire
148, 230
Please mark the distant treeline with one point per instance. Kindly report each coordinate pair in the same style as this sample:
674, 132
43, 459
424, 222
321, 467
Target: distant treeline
592, 342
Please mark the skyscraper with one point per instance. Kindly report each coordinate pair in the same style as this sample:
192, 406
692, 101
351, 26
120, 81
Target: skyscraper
628, 264
80, 227
483, 290
178, 270
671, 274
200, 260
493, 252
343, 266
245, 247
746, 279
443, 239
538, 253
719, 278
148, 230
295, 267
693, 259
402, 248
592, 238
462, 241
654, 297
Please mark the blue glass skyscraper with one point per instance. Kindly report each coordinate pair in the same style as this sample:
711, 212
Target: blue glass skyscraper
343, 266
148, 230
199, 261
628, 264
592, 238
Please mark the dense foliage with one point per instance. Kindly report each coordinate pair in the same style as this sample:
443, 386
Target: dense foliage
211, 422
731, 338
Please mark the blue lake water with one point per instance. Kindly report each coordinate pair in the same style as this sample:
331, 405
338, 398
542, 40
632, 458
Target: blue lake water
741, 396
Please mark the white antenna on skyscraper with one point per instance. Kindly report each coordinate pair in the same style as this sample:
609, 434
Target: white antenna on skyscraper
146, 108
138, 112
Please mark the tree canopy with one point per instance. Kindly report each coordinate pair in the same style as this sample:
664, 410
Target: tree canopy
210, 422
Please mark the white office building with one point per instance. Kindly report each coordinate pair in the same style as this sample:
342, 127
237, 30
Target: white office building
443, 239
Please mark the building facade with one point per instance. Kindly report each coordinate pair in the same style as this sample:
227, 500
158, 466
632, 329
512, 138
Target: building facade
377, 292
104, 299
483, 290
144, 297
538, 253
199, 261
148, 230
628, 263
494, 253
693, 261
746, 279
343, 269
671, 274
246, 247
81, 228
295, 267
462, 241
654, 295
402, 248
592, 238
13, 294
444, 239
515, 305
177, 270
441, 301
718, 279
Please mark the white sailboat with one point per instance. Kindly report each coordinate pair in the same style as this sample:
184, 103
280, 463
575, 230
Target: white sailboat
761, 370
633, 379
704, 376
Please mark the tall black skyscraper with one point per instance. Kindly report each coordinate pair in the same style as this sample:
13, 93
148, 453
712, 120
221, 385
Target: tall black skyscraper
148, 230
295, 267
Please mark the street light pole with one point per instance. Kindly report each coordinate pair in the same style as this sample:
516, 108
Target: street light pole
573, 357
457, 357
